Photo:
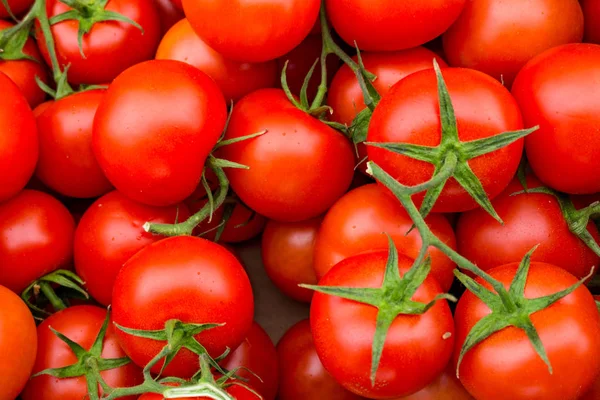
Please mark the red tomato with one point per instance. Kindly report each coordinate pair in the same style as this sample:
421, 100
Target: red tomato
18, 140
110, 47
388, 25
110, 233
17, 7
298, 168
558, 90
288, 256
483, 108
591, 11
238, 392
81, 324
498, 38
256, 353
36, 238
169, 14
358, 223
301, 373
444, 387
150, 147
254, 31
235, 79
18, 345
417, 347
189, 279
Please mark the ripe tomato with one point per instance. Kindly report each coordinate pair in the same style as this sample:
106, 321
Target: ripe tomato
409, 113
189, 279
81, 324
388, 25
110, 233
18, 345
558, 90
169, 14
235, 79
288, 256
417, 347
18, 140
591, 11
110, 47
256, 353
150, 147
301, 372
358, 223
498, 38
444, 387
17, 7
255, 31
298, 168
36, 238
569, 330
236, 391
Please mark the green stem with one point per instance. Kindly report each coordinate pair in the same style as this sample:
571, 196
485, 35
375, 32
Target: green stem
50, 294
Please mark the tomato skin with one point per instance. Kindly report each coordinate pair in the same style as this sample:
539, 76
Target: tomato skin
388, 25
17, 7
80, 324
358, 223
255, 31
558, 90
169, 14
301, 372
415, 350
288, 256
290, 163
498, 38
591, 11
444, 387
235, 79
19, 144
36, 238
110, 47
18, 345
238, 393
483, 108
151, 148
569, 330
189, 279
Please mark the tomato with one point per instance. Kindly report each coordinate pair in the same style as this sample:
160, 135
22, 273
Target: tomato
444, 387
298, 168
358, 223
189, 279
110, 47
388, 25
81, 324
594, 392
17, 7
529, 220
18, 345
256, 353
18, 140
591, 11
36, 238
483, 108
109, 233
288, 256
236, 391
498, 38
255, 31
558, 90
301, 372
169, 14
235, 79
150, 147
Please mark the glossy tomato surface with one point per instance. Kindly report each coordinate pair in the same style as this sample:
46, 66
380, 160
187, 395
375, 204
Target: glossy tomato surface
444, 387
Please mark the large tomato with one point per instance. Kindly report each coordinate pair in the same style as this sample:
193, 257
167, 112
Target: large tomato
18, 345
499, 37
591, 11
358, 223
110, 47
558, 90
155, 127
18, 139
409, 113
388, 25
444, 387
110, 233
254, 31
235, 79
569, 331
36, 238
298, 168
187, 279
17, 7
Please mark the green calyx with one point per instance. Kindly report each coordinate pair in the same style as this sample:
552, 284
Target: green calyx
13, 40
393, 298
451, 156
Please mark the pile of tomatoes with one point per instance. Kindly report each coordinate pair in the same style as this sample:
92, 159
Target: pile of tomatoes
425, 175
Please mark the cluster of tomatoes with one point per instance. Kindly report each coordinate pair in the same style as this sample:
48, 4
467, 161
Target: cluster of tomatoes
424, 174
